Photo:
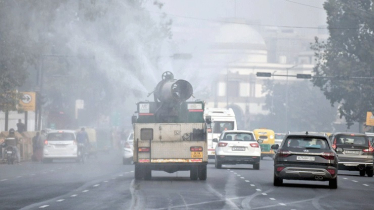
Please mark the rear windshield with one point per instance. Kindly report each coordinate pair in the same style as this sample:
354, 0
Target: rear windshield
351, 140
306, 143
219, 126
60, 136
238, 137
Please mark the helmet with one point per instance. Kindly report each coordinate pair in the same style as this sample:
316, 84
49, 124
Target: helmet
11, 131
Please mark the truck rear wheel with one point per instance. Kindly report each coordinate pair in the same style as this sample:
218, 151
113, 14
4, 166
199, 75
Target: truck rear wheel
138, 172
193, 173
202, 172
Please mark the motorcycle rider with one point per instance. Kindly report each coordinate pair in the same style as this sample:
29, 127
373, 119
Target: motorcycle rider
12, 136
83, 140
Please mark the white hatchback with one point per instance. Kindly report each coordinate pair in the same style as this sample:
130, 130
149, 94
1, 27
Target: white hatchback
237, 147
128, 149
60, 144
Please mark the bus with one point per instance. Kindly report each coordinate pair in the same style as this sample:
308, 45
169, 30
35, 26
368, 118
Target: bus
265, 138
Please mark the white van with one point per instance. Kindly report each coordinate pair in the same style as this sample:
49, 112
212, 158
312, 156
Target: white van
60, 144
222, 119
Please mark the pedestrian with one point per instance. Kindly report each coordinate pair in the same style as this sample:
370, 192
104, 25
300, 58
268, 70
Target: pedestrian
36, 147
20, 126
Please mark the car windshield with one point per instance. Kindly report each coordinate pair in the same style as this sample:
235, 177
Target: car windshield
219, 126
306, 142
238, 137
351, 140
60, 136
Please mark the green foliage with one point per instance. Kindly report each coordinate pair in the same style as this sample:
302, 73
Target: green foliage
308, 108
348, 52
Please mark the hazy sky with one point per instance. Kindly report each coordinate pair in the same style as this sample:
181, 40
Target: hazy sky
303, 13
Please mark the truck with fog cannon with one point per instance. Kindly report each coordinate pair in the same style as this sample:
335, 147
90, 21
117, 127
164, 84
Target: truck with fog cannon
170, 132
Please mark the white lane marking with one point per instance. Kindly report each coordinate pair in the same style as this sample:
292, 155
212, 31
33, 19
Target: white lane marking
42, 207
85, 191
232, 171
253, 185
52, 170
273, 199
354, 181
246, 180
258, 190
131, 171
105, 181
228, 169
242, 177
366, 185
19, 176
3, 180
264, 194
75, 195
32, 174
120, 175
96, 185
345, 178
282, 204
60, 200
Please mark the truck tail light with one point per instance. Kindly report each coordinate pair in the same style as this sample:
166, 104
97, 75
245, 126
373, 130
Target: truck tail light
196, 149
328, 155
255, 145
284, 153
143, 149
222, 144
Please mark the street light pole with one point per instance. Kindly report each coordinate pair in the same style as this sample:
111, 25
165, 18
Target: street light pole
287, 97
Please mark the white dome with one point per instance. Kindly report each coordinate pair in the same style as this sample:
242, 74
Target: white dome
237, 33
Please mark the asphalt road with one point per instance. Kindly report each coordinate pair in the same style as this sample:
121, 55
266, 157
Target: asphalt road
104, 183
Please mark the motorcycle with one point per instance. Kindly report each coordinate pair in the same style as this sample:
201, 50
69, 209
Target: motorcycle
10, 155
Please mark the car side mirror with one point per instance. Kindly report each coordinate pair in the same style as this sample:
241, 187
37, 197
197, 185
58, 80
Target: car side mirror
215, 140
260, 141
275, 146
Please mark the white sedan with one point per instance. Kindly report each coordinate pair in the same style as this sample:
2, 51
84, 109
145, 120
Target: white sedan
237, 147
128, 149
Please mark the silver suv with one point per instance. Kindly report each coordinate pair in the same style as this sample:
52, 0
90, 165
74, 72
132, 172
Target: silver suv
305, 157
355, 152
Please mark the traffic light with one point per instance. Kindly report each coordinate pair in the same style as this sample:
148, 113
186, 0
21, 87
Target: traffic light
263, 74
304, 76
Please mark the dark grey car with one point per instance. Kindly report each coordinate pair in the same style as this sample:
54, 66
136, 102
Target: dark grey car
355, 152
305, 157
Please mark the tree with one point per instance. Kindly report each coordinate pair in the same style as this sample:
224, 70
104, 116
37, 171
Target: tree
104, 52
308, 109
347, 53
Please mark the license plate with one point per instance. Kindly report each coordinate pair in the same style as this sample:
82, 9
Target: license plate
238, 148
352, 152
306, 158
196, 154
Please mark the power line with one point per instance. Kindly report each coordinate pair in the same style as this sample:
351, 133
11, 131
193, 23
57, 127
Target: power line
249, 24
307, 5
